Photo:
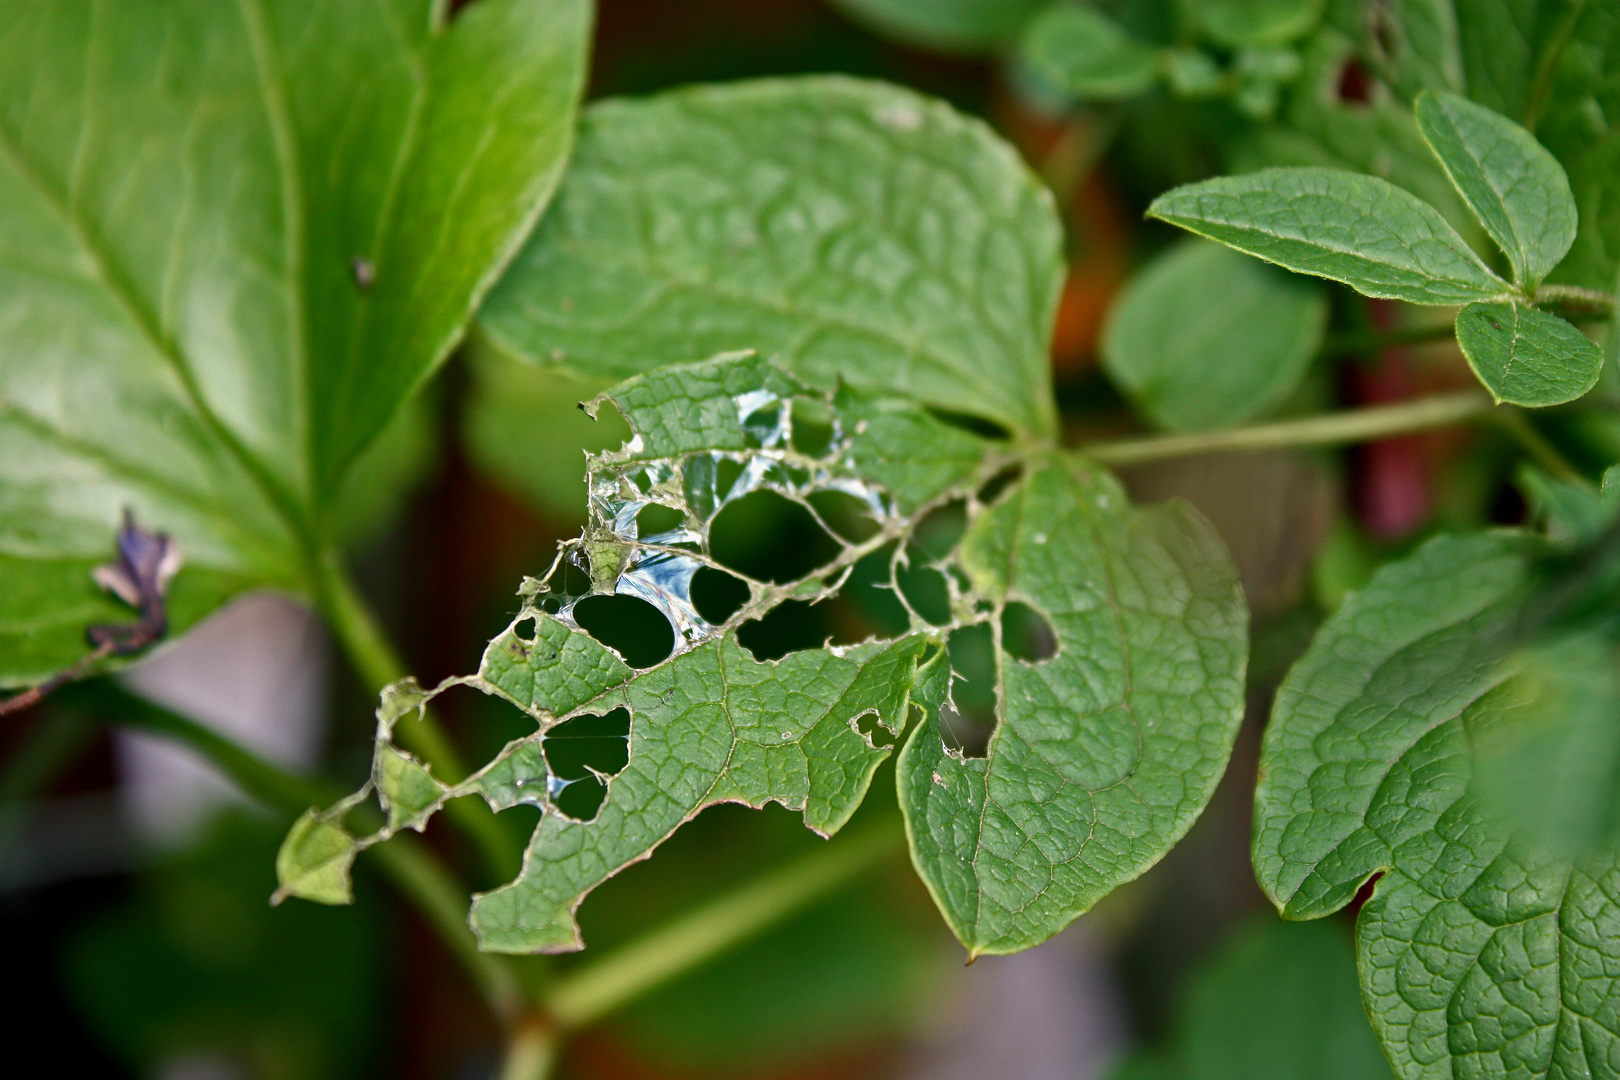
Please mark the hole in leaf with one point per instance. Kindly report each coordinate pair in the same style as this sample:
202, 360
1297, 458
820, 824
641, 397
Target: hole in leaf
551, 604
939, 531
1027, 634
844, 514
769, 537
976, 425
717, 595
628, 625
576, 750
868, 727
998, 484
762, 427
870, 593
967, 722
791, 626
926, 591
576, 578
526, 630
655, 519
812, 427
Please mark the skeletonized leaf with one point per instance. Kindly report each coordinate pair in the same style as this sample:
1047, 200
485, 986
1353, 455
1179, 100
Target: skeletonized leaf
1107, 747
233, 239
1359, 230
1525, 356
1205, 337
1516, 188
1083, 52
855, 230
1481, 954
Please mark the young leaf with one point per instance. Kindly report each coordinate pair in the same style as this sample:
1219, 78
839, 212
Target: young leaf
953, 25
854, 229
1083, 52
1359, 230
1206, 337
1525, 356
1107, 749
1278, 1001
233, 239
1480, 955
1514, 186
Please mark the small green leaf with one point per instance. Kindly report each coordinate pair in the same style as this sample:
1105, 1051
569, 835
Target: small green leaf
1417, 44
1480, 954
952, 25
1516, 188
1359, 230
1277, 1001
1206, 337
234, 238
1083, 52
1525, 356
314, 861
1240, 23
853, 229
1107, 749
406, 789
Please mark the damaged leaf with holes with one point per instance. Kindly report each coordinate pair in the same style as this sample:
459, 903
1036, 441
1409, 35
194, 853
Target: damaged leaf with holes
1025, 596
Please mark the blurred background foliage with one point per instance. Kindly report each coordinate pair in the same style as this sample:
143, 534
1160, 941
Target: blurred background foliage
162, 959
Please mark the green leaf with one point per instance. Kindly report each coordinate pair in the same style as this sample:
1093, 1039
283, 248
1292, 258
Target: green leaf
716, 723
951, 25
1359, 230
1516, 188
1083, 52
1417, 44
1480, 954
853, 229
185, 190
1278, 1001
314, 861
1525, 356
1107, 749
1239, 23
1205, 337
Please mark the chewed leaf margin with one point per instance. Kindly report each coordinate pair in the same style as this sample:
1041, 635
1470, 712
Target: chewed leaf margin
704, 435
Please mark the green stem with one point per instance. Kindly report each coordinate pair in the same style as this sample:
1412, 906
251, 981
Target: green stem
1534, 443
530, 1052
1355, 425
1575, 294
405, 861
597, 989
378, 665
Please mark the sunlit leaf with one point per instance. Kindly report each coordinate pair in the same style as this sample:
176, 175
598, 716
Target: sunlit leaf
233, 239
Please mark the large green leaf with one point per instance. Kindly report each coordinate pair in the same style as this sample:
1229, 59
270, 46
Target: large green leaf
1360, 230
1516, 188
1276, 1002
1136, 712
1206, 337
1109, 746
1481, 954
953, 25
854, 229
1525, 356
233, 239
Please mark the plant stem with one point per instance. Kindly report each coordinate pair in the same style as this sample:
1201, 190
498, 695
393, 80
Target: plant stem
620, 977
1516, 424
404, 860
1354, 425
378, 664
530, 1052
1574, 294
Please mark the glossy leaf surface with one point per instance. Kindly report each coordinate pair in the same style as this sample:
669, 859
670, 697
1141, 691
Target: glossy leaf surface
233, 239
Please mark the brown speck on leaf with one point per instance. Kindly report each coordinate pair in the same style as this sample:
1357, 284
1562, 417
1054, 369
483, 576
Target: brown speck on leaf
364, 272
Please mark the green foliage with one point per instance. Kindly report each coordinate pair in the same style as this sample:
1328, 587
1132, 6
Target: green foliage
1241, 340
953, 25
1088, 54
219, 284
1249, 23
1102, 776
751, 216
1276, 1002
1481, 950
1526, 356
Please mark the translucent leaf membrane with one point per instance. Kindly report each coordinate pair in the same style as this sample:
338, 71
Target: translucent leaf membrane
945, 615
